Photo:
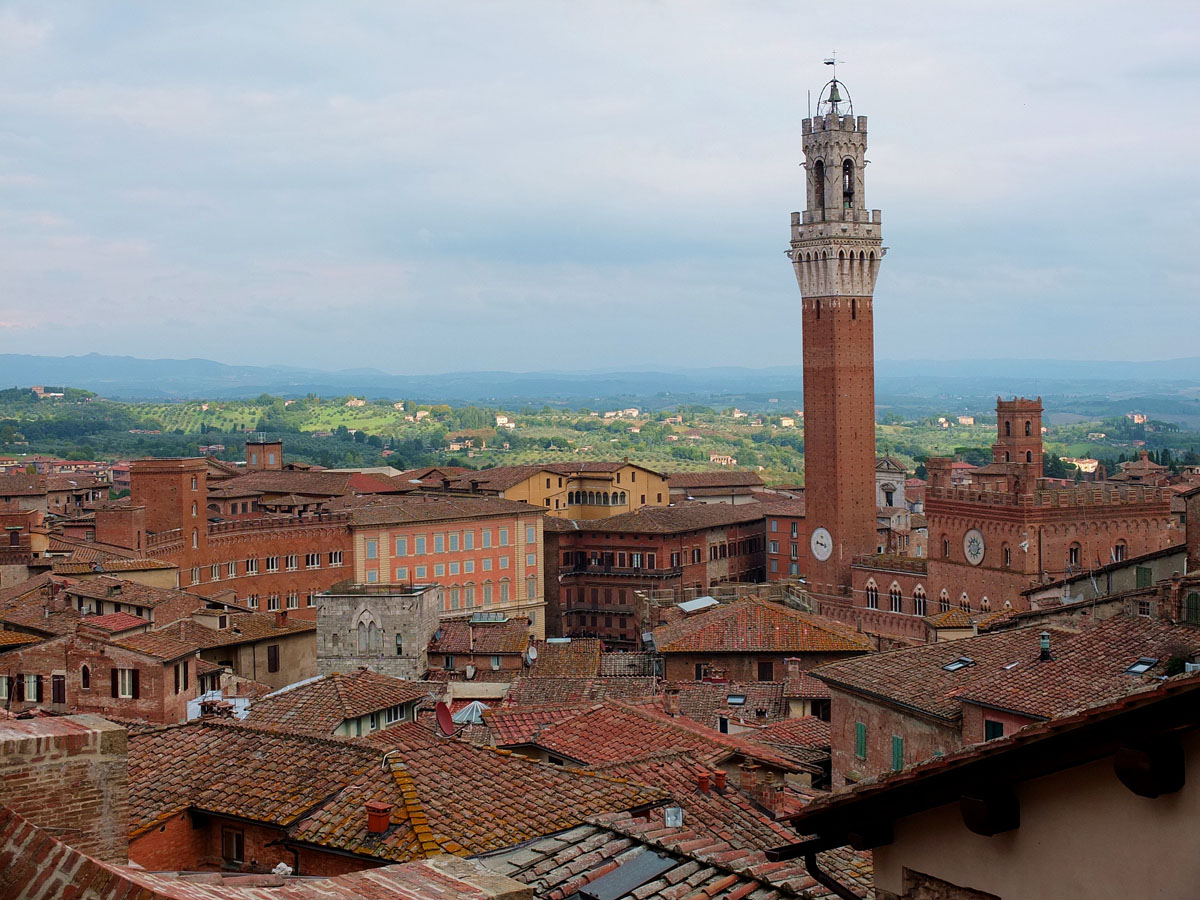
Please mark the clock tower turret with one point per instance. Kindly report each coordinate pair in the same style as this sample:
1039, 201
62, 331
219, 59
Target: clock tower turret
836, 249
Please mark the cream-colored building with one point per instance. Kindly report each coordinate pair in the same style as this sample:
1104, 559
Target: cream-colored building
588, 490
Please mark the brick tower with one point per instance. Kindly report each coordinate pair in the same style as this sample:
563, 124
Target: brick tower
836, 250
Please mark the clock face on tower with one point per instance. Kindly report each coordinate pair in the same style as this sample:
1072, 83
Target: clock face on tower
822, 544
973, 546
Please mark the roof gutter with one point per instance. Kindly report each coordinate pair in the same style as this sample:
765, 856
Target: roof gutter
826, 880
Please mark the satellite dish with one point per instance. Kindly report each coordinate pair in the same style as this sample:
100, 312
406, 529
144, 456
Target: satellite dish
532, 653
470, 672
444, 720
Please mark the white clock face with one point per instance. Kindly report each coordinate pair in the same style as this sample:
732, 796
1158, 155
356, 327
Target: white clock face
822, 544
973, 546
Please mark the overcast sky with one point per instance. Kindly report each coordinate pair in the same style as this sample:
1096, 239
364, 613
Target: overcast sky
430, 187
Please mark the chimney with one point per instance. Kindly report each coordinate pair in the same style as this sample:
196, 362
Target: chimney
719, 780
379, 816
1045, 654
749, 777
793, 665
671, 698
702, 782
280, 618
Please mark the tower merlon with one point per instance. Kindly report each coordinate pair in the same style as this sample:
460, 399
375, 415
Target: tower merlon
834, 123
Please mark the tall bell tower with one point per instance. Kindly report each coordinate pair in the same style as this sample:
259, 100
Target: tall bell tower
836, 249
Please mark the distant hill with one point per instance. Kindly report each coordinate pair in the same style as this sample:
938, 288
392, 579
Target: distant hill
955, 382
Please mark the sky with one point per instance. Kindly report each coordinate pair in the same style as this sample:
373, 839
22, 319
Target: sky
445, 186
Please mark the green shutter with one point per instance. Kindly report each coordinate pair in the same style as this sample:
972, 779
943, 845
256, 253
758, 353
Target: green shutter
1191, 613
860, 740
1145, 577
897, 753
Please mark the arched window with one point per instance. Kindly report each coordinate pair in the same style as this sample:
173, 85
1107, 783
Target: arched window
195, 538
872, 595
945, 547
1028, 456
847, 184
85, 678
964, 601
1120, 549
985, 604
819, 187
606, 503
919, 600
944, 601
362, 637
1006, 458
194, 509
1074, 555
896, 598
1006, 554
372, 638
1008, 429
623, 501
1028, 429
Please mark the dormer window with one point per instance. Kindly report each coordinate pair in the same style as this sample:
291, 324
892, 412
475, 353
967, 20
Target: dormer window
1142, 666
961, 663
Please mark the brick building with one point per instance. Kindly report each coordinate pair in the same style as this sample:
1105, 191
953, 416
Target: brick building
484, 645
896, 709
1003, 531
836, 249
486, 552
597, 566
752, 640
787, 555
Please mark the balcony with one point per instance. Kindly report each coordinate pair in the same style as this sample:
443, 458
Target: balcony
601, 569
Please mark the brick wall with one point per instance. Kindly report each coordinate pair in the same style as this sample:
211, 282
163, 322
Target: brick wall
922, 737
974, 717
68, 775
743, 666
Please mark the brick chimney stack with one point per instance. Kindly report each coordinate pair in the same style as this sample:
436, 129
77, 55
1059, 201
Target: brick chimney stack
379, 816
281, 618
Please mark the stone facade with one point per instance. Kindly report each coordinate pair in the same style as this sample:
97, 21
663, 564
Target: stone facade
836, 249
386, 628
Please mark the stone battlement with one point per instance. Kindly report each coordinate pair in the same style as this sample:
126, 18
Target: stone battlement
1090, 495
834, 123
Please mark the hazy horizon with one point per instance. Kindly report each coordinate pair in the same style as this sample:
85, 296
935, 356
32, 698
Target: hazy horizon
529, 187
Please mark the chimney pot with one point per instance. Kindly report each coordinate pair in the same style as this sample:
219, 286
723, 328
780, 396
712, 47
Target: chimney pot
1045, 646
749, 776
719, 779
702, 782
379, 816
281, 618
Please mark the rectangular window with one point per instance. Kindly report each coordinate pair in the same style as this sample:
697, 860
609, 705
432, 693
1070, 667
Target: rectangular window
774, 565
503, 537
252, 567
795, 551
372, 576
454, 568
273, 658
448, 662
766, 670
273, 603
504, 592
674, 560
124, 679
335, 557
272, 563
1145, 576
372, 549
439, 570
195, 577
231, 570
469, 595
452, 541
421, 571
860, 740
530, 588
468, 566
419, 545
233, 847
293, 600
401, 574
392, 714
439, 543
992, 730
58, 689
897, 753
795, 529
4, 687
495, 662
487, 538
487, 594
312, 560
504, 562
401, 546
487, 565
468, 540
530, 534
773, 546
214, 572
252, 601
774, 524
530, 560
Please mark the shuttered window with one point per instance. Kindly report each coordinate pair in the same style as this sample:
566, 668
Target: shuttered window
897, 753
860, 740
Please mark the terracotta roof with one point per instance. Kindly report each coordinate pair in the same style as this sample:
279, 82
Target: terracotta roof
612, 732
120, 590
529, 690
392, 510
463, 636
510, 726
805, 739
579, 657
719, 479
313, 787
320, 706
708, 703
801, 685
108, 564
157, 645
328, 484
954, 617
484, 799
757, 626
243, 628
15, 638
670, 519
627, 664
115, 622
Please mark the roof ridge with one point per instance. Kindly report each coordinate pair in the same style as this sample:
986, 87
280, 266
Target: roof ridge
415, 815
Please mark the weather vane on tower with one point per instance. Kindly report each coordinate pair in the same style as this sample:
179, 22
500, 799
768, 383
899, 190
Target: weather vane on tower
834, 93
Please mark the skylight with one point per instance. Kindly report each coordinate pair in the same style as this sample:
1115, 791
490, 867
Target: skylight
736, 699
961, 663
1142, 666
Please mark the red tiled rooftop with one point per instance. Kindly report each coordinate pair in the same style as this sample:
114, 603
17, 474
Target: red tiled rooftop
321, 705
757, 626
115, 622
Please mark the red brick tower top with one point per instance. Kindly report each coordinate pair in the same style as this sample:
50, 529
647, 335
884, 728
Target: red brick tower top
836, 249
1019, 435
264, 453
